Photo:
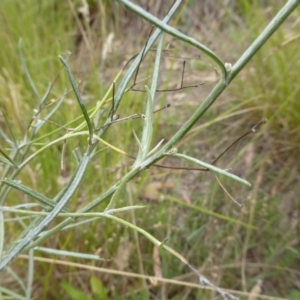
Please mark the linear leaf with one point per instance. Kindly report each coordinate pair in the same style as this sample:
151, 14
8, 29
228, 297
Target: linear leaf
213, 168
6, 159
26, 190
78, 96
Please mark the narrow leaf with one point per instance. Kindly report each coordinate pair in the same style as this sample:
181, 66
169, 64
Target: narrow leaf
120, 191
38, 125
26, 190
30, 274
68, 253
79, 99
213, 168
6, 159
148, 120
24, 65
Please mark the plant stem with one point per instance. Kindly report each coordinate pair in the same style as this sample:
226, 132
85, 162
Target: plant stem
281, 16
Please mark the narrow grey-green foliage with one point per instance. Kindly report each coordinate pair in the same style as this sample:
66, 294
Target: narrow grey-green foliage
212, 168
226, 73
30, 274
68, 253
28, 138
203, 107
4, 135
27, 73
145, 142
65, 197
27, 191
11, 294
20, 206
66, 222
78, 96
14, 209
155, 77
120, 191
121, 188
148, 119
47, 93
40, 123
16, 153
5, 190
16, 278
6, 159
137, 140
12, 140
122, 87
35, 233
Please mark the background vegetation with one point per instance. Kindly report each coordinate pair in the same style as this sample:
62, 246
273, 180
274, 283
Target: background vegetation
180, 205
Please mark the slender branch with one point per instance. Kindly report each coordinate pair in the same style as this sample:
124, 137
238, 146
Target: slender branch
281, 16
174, 32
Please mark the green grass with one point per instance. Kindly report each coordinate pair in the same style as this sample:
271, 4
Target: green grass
269, 84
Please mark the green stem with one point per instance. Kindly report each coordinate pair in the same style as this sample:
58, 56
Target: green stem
226, 76
281, 16
174, 32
